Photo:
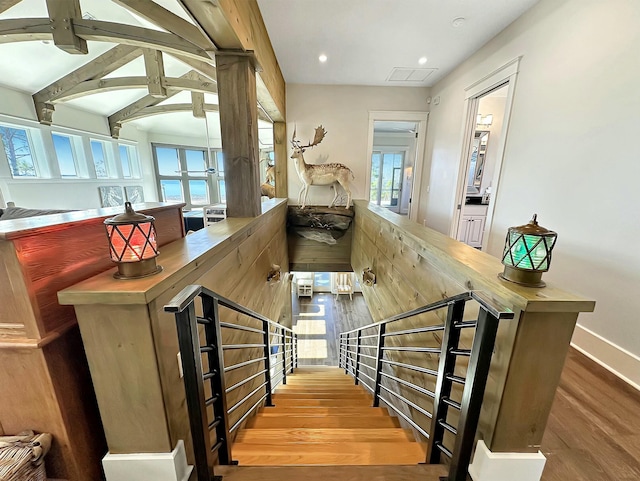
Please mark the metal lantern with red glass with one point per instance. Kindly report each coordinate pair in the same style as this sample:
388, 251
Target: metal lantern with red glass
133, 245
527, 253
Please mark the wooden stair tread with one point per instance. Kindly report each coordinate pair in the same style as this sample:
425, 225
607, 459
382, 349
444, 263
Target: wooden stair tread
320, 435
320, 395
428, 472
323, 411
360, 422
322, 402
340, 453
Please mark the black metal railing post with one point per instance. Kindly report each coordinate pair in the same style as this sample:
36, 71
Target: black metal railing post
357, 371
450, 341
266, 329
379, 356
284, 355
296, 354
476, 381
346, 354
189, 344
213, 338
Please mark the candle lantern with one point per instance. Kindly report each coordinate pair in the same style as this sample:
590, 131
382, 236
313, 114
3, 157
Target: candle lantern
133, 245
527, 253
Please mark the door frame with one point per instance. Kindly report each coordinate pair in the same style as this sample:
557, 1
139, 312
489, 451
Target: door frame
421, 119
505, 75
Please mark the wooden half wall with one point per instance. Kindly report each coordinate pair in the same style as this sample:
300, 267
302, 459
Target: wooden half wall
415, 265
132, 345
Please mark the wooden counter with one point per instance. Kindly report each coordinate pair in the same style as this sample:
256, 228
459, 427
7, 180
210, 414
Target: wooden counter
131, 343
44, 381
415, 265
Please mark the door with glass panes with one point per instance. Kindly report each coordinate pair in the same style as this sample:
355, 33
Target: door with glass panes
387, 168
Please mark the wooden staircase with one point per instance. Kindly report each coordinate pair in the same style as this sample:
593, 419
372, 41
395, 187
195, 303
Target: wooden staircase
321, 418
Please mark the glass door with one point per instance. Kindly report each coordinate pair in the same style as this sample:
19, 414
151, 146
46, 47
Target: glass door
387, 178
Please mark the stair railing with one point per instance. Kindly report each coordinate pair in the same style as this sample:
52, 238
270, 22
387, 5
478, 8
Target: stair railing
269, 359
365, 352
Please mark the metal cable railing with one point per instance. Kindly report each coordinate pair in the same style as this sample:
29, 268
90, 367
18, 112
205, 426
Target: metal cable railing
269, 358
372, 355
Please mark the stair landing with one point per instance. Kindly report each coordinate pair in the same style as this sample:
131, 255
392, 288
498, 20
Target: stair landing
321, 418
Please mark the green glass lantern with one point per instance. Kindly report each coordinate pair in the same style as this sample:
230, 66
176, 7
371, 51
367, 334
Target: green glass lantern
527, 253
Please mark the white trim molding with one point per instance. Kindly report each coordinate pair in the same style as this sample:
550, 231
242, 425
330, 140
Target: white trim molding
148, 466
488, 466
612, 357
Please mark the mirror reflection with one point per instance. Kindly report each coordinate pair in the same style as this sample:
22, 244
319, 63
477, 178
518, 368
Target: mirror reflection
477, 161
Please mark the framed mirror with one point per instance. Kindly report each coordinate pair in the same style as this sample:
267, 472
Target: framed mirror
477, 161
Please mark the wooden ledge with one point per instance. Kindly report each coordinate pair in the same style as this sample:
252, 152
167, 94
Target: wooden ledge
12, 229
475, 270
178, 259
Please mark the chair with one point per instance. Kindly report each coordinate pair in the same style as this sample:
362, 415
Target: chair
344, 284
214, 213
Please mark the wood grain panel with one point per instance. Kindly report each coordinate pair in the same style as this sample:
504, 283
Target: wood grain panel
120, 349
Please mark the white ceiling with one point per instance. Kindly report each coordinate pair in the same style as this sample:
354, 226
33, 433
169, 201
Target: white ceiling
365, 40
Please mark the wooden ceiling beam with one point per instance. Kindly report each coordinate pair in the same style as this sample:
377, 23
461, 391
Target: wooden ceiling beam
63, 14
99, 67
197, 104
168, 109
116, 119
7, 4
169, 21
30, 29
154, 68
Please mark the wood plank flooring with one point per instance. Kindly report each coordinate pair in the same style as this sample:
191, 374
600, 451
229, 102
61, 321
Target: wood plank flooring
283, 435
593, 432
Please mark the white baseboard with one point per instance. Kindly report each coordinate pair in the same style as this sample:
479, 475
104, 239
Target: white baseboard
488, 466
613, 358
148, 466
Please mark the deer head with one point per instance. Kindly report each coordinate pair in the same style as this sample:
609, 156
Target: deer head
298, 149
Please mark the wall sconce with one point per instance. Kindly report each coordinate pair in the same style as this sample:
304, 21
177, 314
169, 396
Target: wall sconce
274, 273
527, 253
486, 121
368, 277
132, 242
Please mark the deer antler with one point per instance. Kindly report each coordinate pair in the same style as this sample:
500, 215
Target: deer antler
317, 138
294, 142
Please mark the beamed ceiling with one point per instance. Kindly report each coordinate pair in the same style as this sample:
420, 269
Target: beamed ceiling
150, 63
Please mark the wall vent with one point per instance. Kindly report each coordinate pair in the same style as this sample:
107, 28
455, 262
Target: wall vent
400, 74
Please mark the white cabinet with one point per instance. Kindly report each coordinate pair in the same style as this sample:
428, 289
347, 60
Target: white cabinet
471, 229
305, 287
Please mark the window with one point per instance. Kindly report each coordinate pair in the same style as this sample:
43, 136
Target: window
222, 191
184, 176
17, 146
99, 158
65, 155
386, 178
125, 160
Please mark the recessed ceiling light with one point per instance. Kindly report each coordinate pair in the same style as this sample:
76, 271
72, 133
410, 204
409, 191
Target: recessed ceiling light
422, 60
322, 58
457, 22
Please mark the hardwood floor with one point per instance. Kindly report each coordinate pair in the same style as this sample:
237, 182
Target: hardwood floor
593, 433
319, 321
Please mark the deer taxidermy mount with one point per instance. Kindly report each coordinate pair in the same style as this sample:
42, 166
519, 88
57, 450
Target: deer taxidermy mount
319, 174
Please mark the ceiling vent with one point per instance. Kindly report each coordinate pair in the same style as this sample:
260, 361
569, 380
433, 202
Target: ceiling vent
400, 74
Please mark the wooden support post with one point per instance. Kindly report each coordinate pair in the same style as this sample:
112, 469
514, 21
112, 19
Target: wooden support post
154, 67
281, 158
62, 14
239, 127
197, 105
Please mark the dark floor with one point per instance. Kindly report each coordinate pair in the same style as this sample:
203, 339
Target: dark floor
593, 433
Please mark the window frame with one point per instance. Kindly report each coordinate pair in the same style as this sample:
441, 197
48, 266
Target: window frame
184, 177
32, 152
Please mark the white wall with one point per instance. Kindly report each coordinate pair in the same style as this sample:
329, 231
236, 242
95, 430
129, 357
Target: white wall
344, 113
571, 153
56, 193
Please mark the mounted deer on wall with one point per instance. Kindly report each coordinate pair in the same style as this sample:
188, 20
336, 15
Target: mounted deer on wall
319, 174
